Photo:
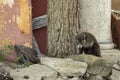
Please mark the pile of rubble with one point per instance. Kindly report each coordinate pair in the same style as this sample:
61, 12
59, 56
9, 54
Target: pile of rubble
80, 67
74, 67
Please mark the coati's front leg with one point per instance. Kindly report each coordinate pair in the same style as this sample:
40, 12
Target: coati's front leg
88, 50
96, 50
79, 49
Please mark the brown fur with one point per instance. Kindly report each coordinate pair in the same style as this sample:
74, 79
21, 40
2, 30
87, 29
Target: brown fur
87, 43
115, 29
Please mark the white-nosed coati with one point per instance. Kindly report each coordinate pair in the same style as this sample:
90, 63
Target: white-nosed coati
87, 43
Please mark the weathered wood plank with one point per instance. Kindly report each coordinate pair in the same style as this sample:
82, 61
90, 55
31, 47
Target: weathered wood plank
39, 22
36, 48
35, 45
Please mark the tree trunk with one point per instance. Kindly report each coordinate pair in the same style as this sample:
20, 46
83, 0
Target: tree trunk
68, 17
62, 27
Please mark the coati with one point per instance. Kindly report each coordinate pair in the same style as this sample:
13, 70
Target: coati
87, 43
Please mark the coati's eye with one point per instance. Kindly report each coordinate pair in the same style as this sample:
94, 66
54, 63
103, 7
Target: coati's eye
84, 35
77, 41
83, 41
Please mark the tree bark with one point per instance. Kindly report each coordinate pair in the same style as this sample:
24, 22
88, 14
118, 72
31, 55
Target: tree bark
63, 25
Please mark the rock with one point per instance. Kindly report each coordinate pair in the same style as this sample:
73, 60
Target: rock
4, 73
26, 54
95, 77
89, 59
74, 78
100, 67
11, 65
62, 78
2, 66
34, 72
59, 79
111, 55
66, 67
115, 75
116, 67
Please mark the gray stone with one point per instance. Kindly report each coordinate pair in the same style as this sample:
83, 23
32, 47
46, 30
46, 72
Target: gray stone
11, 65
74, 78
89, 59
94, 77
4, 73
26, 54
62, 78
2, 66
34, 72
100, 67
66, 67
116, 67
111, 55
115, 75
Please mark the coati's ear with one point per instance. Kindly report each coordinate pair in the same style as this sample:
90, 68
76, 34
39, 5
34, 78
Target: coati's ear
78, 33
77, 36
84, 35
